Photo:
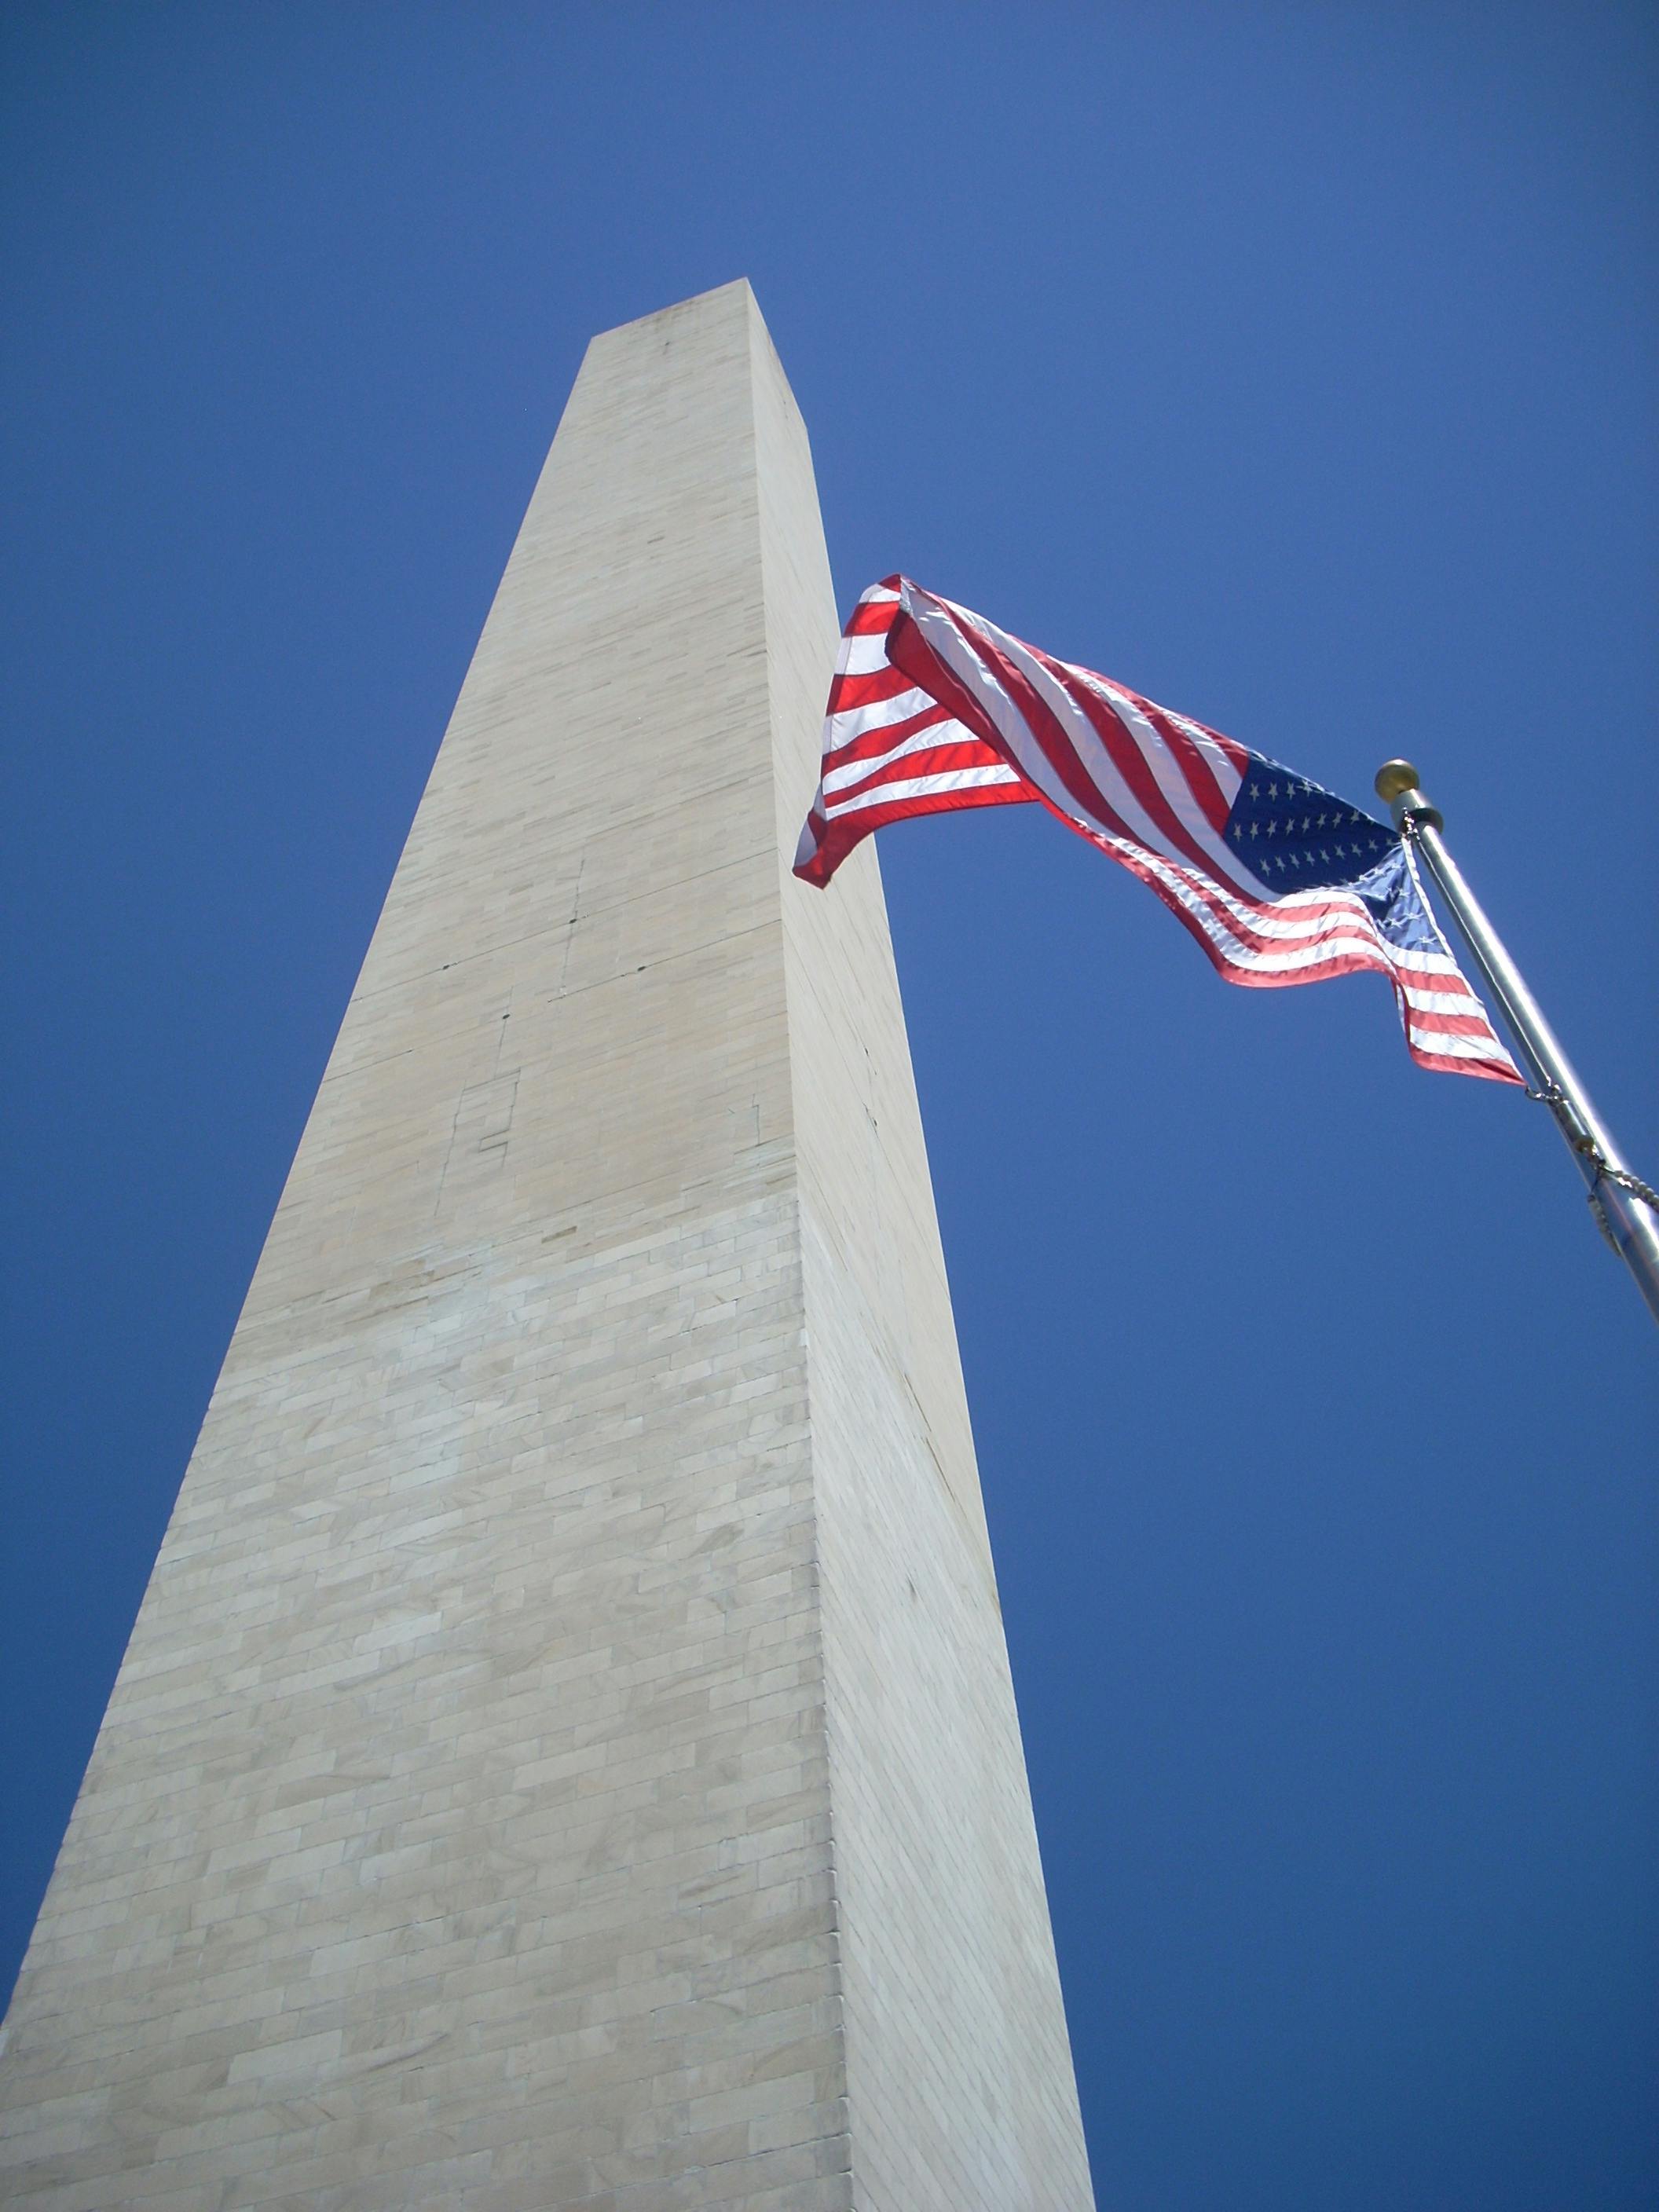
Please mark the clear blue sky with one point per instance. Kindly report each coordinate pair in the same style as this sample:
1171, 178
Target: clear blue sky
1294, 365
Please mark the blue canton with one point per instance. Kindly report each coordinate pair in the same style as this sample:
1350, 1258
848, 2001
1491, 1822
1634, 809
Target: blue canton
1292, 836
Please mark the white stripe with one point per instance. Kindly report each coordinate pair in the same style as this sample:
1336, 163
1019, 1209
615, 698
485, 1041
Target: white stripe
1227, 776
1174, 787
1104, 772
1367, 945
999, 710
1350, 935
1364, 948
863, 655
1442, 1002
1086, 743
1430, 963
1297, 917
922, 787
1456, 1047
853, 722
1350, 931
1443, 963
1289, 920
932, 739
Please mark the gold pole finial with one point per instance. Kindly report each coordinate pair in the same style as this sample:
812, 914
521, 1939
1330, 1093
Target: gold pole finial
1395, 778
1398, 781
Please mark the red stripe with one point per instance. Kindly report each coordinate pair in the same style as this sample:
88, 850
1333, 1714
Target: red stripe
1377, 957
1127, 756
943, 759
837, 839
847, 692
1340, 909
1060, 750
1240, 756
870, 618
1344, 918
1343, 963
907, 643
886, 735
908, 647
1468, 1025
1198, 772
1440, 1064
851, 827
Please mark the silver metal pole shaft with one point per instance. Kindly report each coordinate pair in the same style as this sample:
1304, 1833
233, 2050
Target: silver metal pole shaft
1631, 1225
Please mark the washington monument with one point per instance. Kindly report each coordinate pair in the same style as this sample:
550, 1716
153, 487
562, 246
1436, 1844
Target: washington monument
566, 1760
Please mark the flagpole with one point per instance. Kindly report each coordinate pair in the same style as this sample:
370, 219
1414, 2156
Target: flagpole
1622, 1203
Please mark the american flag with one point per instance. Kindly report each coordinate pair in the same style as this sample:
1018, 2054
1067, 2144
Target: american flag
933, 709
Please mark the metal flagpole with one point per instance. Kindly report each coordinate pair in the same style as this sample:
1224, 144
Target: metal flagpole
1623, 1205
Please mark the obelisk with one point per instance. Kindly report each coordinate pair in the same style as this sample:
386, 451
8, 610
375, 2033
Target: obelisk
566, 1757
